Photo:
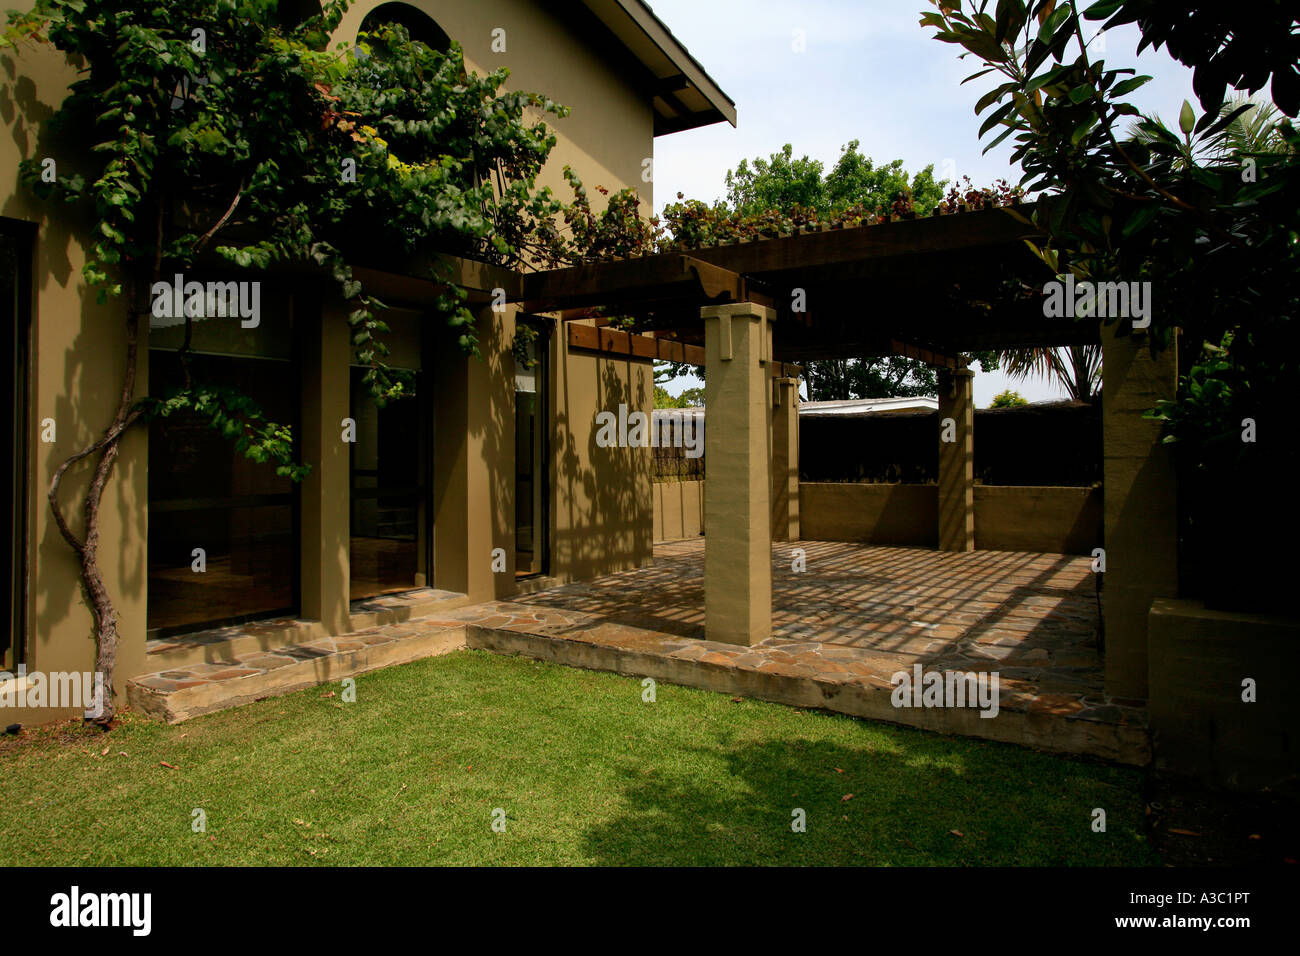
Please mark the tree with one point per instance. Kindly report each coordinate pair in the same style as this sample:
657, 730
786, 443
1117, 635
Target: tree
664, 400
228, 135
856, 181
889, 376
785, 183
1202, 213
1076, 369
1008, 399
779, 182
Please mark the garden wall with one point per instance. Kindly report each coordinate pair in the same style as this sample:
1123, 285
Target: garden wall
1200, 724
1038, 519
679, 509
1056, 444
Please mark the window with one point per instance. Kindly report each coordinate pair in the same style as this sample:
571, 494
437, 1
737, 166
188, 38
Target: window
418, 24
532, 516
16, 245
223, 530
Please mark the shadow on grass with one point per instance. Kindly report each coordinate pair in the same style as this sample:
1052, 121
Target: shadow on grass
928, 804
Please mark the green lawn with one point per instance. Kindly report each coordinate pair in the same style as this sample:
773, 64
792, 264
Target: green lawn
586, 772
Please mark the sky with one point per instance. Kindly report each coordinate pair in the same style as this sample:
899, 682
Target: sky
868, 71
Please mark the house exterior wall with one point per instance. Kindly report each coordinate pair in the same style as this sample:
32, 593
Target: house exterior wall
600, 506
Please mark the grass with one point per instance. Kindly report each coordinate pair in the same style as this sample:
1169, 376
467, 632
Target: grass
586, 772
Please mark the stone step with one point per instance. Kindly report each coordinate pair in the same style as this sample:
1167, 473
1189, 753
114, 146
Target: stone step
239, 640
177, 694
1054, 725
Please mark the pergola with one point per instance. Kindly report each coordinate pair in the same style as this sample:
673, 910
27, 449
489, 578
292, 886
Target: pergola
926, 288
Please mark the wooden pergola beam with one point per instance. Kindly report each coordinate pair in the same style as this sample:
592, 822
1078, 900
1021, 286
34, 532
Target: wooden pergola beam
613, 342
928, 356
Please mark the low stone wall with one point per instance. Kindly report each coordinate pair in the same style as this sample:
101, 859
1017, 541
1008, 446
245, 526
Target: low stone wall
678, 509
1048, 520
884, 514
1200, 724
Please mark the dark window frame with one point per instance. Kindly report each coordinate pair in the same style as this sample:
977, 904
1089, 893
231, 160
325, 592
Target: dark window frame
23, 234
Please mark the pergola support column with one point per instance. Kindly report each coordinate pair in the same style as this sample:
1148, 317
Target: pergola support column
956, 460
785, 459
1141, 504
738, 479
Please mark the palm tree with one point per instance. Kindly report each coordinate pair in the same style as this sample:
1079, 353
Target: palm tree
1077, 368
1253, 132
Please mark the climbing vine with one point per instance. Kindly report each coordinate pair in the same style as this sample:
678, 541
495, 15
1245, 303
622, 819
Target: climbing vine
227, 134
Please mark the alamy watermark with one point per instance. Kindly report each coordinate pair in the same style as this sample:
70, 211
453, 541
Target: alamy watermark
75, 908
1116, 300
206, 300
82, 689
668, 428
919, 688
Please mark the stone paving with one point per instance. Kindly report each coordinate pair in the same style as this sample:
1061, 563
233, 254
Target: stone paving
841, 630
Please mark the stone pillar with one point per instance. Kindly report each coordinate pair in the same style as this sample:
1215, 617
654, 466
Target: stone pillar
1141, 504
738, 480
956, 460
325, 496
785, 459
474, 462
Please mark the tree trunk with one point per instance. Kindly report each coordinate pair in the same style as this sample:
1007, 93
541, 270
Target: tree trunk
101, 603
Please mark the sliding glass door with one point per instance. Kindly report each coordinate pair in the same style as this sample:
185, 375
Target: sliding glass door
389, 538
223, 530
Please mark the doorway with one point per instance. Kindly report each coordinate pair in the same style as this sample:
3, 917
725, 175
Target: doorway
389, 547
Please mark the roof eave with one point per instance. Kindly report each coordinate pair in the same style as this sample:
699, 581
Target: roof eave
634, 23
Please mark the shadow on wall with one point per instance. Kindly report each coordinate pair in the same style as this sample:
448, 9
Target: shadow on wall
604, 519
80, 346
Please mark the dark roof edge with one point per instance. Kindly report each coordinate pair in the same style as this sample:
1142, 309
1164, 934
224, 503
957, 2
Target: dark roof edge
638, 15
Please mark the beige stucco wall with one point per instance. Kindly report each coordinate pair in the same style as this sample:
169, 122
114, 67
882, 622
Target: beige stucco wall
77, 363
1007, 518
601, 511
884, 514
1048, 520
611, 128
1201, 722
601, 502
679, 510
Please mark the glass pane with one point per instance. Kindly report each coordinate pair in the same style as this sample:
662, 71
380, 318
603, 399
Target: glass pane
387, 490
204, 494
530, 463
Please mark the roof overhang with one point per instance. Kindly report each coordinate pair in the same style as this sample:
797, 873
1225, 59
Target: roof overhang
683, 94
